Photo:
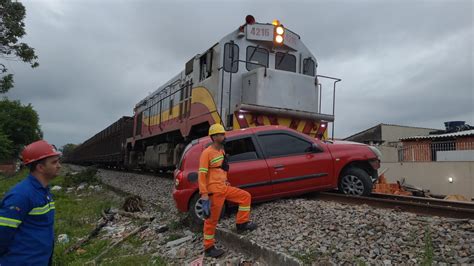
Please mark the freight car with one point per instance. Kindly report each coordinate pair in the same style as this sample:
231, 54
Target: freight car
259, 74
106, 147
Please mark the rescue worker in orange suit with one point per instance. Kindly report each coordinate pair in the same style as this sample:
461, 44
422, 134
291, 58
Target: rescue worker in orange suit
215, 190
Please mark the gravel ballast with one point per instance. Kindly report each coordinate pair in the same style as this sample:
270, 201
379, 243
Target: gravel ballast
339, 233
325, 232
158, 192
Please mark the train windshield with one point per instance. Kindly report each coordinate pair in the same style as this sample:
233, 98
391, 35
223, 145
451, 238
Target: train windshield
285, 61
256, 57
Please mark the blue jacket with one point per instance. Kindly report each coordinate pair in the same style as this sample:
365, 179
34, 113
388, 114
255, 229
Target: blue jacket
27, 224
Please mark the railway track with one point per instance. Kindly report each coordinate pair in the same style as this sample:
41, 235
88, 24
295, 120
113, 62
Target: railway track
424, 206
165, 174
419, 205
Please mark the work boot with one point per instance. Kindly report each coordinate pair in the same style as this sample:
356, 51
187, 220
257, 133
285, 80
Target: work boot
247, 226
213, 252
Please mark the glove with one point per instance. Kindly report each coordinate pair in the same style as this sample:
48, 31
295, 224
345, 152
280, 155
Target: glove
225, 163
206, 208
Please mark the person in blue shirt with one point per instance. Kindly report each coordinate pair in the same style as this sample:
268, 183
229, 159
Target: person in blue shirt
27, 210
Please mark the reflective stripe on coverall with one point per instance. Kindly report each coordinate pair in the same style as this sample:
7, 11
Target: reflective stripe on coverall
213, 181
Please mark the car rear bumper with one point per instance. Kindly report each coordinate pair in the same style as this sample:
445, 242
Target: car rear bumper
181, 198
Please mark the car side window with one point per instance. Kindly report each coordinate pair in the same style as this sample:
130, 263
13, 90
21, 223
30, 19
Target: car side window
241, 150
276, 145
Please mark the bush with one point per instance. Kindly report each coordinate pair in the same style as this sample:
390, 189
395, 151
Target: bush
6, 147
85, 176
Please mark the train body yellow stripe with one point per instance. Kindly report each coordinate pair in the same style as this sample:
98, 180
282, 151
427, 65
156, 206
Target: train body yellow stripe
199, 95
282, 121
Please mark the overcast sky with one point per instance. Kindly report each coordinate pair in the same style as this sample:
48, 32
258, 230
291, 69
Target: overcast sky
401, 62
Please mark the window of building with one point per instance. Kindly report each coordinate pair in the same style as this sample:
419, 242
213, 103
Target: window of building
285, 61
309, 67
241, 150
256, 57
280, 144
231, 54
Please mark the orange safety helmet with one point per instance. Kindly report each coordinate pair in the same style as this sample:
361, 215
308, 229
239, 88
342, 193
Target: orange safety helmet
38, 150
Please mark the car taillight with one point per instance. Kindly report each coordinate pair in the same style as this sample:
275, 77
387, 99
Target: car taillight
178, 179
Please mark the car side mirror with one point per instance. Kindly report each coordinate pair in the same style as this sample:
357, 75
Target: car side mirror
314, 148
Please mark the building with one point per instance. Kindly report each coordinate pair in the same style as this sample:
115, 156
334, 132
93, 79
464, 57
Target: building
442, 161
455, 146
388, 134
387, 138
9, 167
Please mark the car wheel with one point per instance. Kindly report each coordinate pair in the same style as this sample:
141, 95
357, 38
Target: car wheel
195, 210
355, 181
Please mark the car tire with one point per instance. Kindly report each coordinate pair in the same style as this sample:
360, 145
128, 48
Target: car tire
195, 210
355, 181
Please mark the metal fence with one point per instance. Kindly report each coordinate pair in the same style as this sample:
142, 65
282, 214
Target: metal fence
427, 151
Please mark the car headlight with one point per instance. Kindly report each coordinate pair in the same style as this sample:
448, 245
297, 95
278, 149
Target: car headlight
376, 151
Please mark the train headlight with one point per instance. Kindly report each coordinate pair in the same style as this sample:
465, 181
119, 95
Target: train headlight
279, 30
279, 39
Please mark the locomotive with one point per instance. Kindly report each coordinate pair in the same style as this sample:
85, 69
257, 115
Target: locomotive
259, 74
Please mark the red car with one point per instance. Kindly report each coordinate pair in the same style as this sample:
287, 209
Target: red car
275, 161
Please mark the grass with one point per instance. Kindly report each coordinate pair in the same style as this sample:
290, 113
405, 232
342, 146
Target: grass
309, 258
173, 237
175, 225
6, 182
428, 251
135, 241
359, 262
77, 216
86, 176
133, 260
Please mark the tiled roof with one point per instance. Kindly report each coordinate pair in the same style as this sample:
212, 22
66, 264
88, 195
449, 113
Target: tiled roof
447, 135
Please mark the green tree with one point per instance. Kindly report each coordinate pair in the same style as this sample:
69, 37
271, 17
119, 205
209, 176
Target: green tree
6, 147
67, 149
20, 123
12, 28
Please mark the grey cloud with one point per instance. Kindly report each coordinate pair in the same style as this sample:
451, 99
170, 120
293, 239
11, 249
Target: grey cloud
406, 62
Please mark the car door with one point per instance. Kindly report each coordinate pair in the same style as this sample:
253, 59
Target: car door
248, 169
293, 163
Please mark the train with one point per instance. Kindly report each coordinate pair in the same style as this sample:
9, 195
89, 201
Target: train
259, 74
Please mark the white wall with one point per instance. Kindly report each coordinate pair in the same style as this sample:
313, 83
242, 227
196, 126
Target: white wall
434, 176
392, 133
455, 156
389, 154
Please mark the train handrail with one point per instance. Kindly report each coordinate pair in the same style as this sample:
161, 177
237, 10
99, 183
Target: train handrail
245, 61
336, 80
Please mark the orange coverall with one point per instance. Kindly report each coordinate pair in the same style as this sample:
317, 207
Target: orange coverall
213, 181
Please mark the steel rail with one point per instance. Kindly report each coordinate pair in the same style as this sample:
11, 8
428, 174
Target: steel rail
418, 205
